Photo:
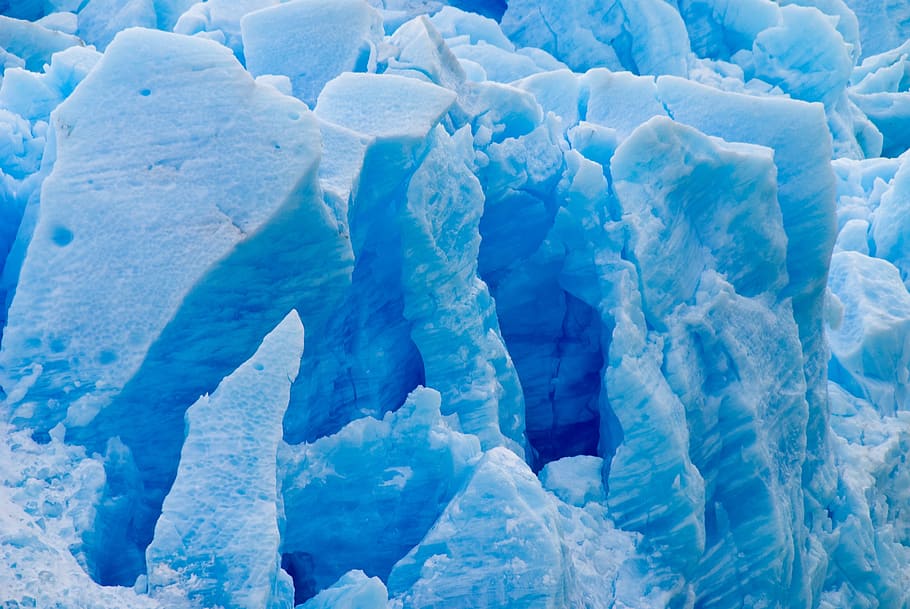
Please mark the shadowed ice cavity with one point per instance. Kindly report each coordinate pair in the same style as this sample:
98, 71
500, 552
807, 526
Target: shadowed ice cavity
553, 337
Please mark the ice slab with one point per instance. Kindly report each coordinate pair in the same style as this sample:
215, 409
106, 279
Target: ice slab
311, 42
217, 539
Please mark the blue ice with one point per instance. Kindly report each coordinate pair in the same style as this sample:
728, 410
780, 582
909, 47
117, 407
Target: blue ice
606, 304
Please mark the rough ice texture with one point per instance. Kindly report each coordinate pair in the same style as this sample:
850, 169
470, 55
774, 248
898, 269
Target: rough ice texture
606, 304
220, 519
397, 474
311, 42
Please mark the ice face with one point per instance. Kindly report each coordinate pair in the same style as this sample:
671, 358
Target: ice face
220, 519
416, 460
310, 58
606, 304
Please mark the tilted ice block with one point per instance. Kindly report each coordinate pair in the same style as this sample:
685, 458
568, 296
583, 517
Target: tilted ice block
206, 209
423, 53
384, 107
353, 590
312, 42
360, 499
181, 209
220, 19
619, 100
872, 344
499, 112
32, 43
503, 541
217, 539
505, 66
100, 20
557, 91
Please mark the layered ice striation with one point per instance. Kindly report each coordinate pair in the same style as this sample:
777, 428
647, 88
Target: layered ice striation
606, 304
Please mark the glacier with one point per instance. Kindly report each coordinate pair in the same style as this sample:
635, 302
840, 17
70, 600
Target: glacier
424, 304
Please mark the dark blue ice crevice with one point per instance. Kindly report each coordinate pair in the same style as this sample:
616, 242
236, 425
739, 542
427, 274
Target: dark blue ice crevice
494, 9
553, 336
417, 310
374, 363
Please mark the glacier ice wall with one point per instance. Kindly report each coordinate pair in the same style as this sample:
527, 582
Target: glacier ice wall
606, 304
